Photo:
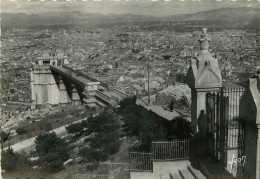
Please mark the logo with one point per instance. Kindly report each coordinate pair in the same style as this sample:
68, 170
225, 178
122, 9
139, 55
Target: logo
237, 164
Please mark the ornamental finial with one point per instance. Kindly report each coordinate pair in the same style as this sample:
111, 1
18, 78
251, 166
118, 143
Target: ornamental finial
204, 40
204, 31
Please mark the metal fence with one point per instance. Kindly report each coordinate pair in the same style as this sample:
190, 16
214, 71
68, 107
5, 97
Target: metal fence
85, 176
118, 170
174, 150
170, 150
233, 94
58, 176
140, 161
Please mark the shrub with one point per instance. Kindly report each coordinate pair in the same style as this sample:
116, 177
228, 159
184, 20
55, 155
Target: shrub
15, 162
21, 131
4, 137
76, 128
106, 141
184, 102
48, 127
148, 126
93, 155
52, 152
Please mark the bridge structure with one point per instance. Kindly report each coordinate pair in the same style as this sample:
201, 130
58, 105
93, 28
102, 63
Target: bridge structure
53, 82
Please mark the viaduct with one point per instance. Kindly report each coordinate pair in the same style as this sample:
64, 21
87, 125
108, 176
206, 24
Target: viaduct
53, 82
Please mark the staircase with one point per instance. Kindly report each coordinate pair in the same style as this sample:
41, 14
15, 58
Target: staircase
169, 170
188, 173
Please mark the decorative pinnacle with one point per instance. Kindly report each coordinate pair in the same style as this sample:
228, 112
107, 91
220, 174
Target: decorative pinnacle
204, 40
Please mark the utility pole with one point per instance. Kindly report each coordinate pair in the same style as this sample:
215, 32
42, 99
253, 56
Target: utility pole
36, 101
148, 84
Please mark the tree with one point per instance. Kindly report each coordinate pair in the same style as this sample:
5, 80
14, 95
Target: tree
143, 124
148, 126
171, 106
105, 140
15, 162
52, 152
4, 138
76, 128
179, 128
20, 131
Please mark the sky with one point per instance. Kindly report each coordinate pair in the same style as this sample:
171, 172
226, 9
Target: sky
140, 7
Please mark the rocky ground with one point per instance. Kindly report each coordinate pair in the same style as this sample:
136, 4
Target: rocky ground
41, 121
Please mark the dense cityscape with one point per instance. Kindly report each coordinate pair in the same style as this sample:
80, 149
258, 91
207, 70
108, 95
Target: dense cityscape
121, 59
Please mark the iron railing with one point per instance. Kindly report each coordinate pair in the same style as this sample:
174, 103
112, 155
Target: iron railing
233, 94
174, 150
140, 161
118, 170
170, 150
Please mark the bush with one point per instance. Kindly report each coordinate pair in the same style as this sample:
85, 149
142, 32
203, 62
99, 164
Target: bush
21, 131
52, 152
93, 155
106, 141
76, 128
148, 126
184, 102
4, 137
15, 162
48, 127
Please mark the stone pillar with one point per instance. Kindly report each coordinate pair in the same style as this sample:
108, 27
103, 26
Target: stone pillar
258, 43
258, 153
33, 94
203, 76
75, 96
64, 97
250, 114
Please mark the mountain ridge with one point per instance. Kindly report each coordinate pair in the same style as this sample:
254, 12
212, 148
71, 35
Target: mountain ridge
77, 17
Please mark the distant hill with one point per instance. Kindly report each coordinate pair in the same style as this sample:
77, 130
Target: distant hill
21, 19
244, 14
240, 14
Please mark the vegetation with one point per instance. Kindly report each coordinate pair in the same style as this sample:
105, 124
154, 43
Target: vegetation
44, 121
21, 131
180, 77
52, 152
15, 162
104, 132
182, 103
147, 126
4, 138
76, 128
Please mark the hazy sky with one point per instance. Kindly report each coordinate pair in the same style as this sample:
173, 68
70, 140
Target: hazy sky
143, 7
